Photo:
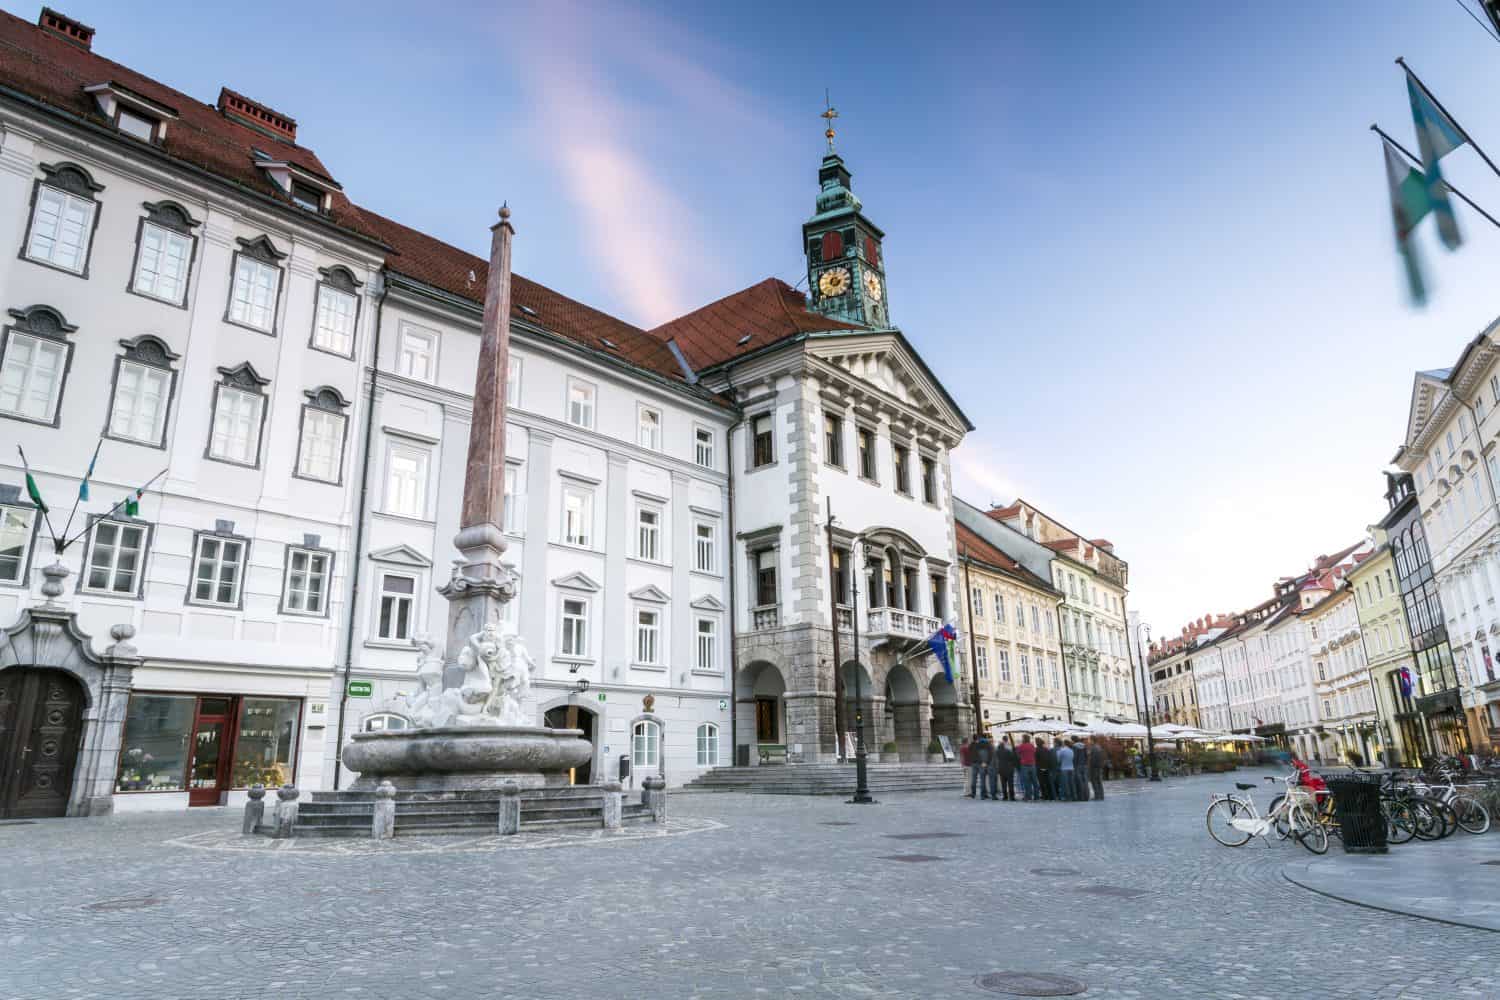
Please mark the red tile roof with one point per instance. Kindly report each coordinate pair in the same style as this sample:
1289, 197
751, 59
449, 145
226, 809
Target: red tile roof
448, 268
43, 66
973, 545
769, 312
1063, 545
1002, 513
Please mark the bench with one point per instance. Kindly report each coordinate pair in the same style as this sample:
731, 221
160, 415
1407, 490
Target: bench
768, 751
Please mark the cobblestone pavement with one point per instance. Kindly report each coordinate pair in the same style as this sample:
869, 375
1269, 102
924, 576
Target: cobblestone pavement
768, 897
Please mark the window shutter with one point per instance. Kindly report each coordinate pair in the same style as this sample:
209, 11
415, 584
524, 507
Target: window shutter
872, 250
833, 246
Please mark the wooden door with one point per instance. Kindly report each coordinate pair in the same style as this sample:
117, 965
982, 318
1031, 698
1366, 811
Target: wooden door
41, 725
212, 750
766, 728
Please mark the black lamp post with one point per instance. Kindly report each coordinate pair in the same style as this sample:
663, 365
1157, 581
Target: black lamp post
861, 777
1146, 701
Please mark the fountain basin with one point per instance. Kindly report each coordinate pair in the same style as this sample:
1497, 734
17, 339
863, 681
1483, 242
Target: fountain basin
466, 757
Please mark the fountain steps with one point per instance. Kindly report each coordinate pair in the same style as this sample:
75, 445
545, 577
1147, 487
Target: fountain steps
351, 814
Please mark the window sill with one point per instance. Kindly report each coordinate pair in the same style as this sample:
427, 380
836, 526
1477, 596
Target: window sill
410, 518
406, 644
573, 663
866, 479
710, 574
212, 606
652, 667
698, 672
643, 561
252, 328
116, 595
578, 548
760, 468
58, 267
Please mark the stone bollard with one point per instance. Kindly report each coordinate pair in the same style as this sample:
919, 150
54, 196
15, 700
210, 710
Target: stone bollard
255, 809
654, 797
510, 809
613, 804
383, 824
286, 811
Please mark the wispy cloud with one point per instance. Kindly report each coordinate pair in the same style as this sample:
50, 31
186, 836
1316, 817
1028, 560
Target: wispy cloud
617, 96
979, 474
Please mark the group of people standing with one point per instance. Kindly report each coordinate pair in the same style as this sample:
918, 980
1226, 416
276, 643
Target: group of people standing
1065, 769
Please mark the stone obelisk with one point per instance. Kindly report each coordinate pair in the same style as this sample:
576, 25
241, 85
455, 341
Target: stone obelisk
481, 583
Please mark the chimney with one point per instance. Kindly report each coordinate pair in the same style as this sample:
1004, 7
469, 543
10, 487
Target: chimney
240, 108
66, 28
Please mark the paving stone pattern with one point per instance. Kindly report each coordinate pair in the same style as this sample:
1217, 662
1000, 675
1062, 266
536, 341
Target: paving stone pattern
754, 896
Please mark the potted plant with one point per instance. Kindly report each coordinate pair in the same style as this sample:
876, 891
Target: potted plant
888, 751
934, 751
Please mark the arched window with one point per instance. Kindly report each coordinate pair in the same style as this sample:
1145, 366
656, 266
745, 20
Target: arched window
386, 722
708, 745
645, 745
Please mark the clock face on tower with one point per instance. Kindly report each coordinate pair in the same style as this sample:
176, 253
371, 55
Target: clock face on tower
834, 282
872, 286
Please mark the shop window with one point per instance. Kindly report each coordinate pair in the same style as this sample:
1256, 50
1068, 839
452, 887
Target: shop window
154, 750
265, 749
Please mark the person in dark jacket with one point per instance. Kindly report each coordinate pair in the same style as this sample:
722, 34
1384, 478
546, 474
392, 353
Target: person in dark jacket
1045, 763
966, 761
982, 754
1003, 766
1098, 759
1080, 770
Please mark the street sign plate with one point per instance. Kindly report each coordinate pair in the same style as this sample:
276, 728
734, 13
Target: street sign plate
361, 689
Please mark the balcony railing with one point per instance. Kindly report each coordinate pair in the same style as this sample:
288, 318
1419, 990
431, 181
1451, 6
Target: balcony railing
896, 623
766, 617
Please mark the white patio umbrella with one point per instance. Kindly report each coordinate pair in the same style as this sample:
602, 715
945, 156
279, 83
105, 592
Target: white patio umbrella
1037, 726
1119, 730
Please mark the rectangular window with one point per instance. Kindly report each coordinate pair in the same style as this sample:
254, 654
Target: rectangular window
218, 568
939, 596
1025, 670
765, 578
334, 328
575, 625
252, 299
647, 636
982, 661
305, 589
139, 411
31, 377
16, 531
398, 595
1003, 660
648, 534
648, 428
929, 480
833, 440
513, 516
760, 432
161, 269
645, 745
320, 455
406, 481
416, 353
236, 431
307, 197
61, 227
265, 749
703, 447
1036, 619
158, 730
580, 404
866, 439
578, 516
116, 555
136, 126
705, 545
903, 469
976, 602
708, 745
708, 644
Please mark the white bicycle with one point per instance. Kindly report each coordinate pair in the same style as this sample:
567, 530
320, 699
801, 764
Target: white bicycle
1233, 819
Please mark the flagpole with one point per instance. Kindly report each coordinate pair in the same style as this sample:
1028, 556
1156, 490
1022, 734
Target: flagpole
140, 490
57, 546
83, 488
1400, 61
1418, 163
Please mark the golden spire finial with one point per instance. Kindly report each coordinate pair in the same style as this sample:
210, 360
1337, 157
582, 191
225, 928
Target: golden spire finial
829, 114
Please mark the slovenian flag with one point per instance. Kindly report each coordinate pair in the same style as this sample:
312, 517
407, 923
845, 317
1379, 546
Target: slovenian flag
1409, 204
1403, 678
32, 490
1437, 136
941, 643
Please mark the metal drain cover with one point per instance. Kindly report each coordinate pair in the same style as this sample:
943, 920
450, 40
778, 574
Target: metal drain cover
1117, 891
1030, 984
920, 836
126, 904
913, 858
1056, 871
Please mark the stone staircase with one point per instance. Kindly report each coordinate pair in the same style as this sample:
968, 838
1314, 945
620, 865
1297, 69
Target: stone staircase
424, 814
829, 779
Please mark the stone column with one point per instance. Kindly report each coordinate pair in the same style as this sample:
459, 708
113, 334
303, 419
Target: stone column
613, 805
101, 753
383, 822
255, 809
286, 811
510, 809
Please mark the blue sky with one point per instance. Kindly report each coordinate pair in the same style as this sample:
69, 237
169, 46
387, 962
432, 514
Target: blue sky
1147, 247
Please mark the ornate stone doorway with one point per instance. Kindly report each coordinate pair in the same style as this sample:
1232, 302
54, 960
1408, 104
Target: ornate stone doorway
41, 727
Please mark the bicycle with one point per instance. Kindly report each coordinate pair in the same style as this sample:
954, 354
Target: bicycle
1470, 814
1401, 823
1233, 819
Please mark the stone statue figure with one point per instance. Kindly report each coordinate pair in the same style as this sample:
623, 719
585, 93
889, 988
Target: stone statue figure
512, 679
478, 660
429, 706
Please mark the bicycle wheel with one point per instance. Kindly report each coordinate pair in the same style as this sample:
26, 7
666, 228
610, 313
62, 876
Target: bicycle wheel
1429, 823
1220, 814
1449, 818
1283, 827
1473, 817
1400, 825
1309, 832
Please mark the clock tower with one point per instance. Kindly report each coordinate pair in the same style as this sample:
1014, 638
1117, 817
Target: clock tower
845, 268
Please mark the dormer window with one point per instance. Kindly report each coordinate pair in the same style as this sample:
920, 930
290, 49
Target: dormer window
306, 196
140, 126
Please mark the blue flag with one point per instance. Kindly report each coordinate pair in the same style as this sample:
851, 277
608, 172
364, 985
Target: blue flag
1437, 136
941, 643
83, 487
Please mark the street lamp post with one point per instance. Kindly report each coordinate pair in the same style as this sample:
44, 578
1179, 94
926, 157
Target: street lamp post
1146, 700
861, 777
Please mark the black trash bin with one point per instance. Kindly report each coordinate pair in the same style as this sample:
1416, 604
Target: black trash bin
1356, 804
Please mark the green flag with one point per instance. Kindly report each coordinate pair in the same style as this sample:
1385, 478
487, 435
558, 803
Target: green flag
1409, 204
1437, 136
32, 490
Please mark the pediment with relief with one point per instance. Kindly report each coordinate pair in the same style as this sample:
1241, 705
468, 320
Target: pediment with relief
883, 363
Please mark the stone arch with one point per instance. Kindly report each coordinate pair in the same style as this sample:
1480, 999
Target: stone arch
760, 694
555, 713
47, 637
864, 697
946, 719
909, 724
